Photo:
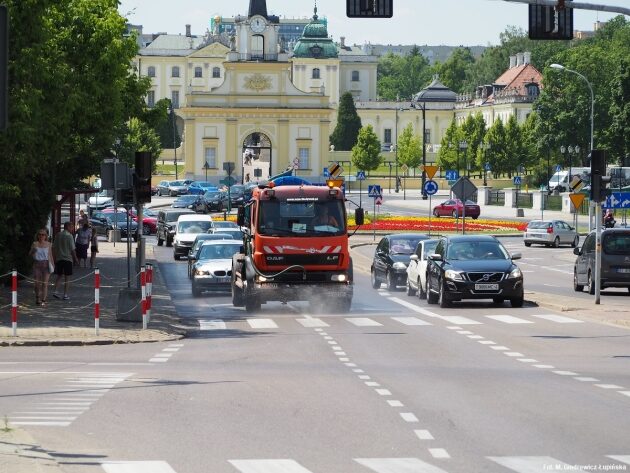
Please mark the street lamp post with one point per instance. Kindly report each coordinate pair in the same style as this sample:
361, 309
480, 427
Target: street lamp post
396, 150
424, 145
206, 166
598, 208
463, 146
174, 139
485, 147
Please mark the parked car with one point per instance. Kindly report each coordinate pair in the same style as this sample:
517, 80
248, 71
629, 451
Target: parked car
188, 227
550, 233
192, 202
455, 208
213, 269
167, 221
473, 267
214, 201
193, 254
149, 218
106, 221
417, 268
391, 257
172, 188
201, 187
615, 266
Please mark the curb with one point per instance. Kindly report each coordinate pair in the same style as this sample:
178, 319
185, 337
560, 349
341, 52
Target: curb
83, 342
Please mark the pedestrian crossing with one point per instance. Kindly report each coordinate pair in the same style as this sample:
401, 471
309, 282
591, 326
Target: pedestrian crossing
289, 323
517, 464
66, 402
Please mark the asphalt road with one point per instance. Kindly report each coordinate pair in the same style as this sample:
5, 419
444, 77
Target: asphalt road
395, 386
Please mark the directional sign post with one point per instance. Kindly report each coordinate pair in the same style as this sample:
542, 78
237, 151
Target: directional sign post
404, 168
430, 188
452, 175
463, 190
617, 200
517, 180
325, 172
360, 178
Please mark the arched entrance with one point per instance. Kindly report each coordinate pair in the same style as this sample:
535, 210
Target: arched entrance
256, 162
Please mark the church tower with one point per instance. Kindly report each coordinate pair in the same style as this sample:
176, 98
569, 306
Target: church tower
257, 34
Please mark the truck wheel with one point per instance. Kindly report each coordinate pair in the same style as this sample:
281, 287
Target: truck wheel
343, 304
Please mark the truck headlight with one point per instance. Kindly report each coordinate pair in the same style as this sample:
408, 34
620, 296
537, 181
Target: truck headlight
515, 274
453, 275
338, 277
261, 279
399, 265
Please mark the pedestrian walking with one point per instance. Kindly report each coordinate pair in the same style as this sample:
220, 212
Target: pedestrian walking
64, 252
82, 220
82, 244
93, 247
42, 265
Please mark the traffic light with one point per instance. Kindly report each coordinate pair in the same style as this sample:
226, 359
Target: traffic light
142, 177
550, 22
369, 8
599, 179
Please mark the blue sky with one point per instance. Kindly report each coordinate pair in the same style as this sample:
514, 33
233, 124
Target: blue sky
450, 22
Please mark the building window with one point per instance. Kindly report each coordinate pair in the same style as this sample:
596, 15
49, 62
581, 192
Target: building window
258, 47
210, 155
151, 99
198, 72
532, 90
175, 71
315, 73
216, 72
151, 71
387, 138
175, 98
355, 76
303, 157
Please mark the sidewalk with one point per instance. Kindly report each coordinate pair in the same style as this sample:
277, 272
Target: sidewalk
72, 322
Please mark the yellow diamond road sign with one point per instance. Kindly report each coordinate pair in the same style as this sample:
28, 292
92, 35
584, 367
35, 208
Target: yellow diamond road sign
404, 168
430, 170
335, 170
576, 199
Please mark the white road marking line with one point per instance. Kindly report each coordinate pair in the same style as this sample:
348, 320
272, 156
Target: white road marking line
531, 464
332, 342
561, 319
453, 327
439, 453
136, 467
423, 434
625, 393
475, 337
372, 384
513, 353
163, 355
268, 466
464, 332
363, 322
609, 386
328, 337
39, 418
216, 324
176, 345
317, 329
383, 392
43, 423
358, 370
586, 379
411, 321
621, 458
344, 359
340, 353
262, 323
565, 373
395, 403
487, 342
509, 319
350, 365
171, 349
459, 320
158, 360
527, 360
77, 403
499, 347
398, 465
364, 376
408, 417
545, 367
312, 322
384, 293
413, 307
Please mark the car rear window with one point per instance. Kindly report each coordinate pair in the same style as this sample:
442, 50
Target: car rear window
534, 225
617, 244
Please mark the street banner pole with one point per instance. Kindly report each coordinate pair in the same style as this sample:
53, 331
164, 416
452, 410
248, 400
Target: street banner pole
14, 302
97, 300
430, 207
149, 290
143, 301
374, 222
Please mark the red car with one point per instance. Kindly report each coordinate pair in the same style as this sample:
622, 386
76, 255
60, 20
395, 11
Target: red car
455, 208
149, 219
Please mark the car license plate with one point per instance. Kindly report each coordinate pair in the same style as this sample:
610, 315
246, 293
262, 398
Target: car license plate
623, 270
486, 287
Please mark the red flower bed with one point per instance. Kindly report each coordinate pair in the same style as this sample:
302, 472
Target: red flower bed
442, 225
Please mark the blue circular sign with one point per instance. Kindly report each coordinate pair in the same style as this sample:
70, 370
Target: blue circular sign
430, 187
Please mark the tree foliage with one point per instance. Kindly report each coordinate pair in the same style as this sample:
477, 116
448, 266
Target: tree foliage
345, 133
366, 153
409, 148
401, 77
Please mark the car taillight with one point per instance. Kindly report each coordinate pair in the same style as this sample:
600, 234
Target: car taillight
549, 229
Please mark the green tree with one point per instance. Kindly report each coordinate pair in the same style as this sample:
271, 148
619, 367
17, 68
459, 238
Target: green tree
497, 154
448, 157
453, 72
409, 148
366, 153
514, 147
139, 136
345, 133
473, 130
163, 123
619, 132
70, 89
400, 77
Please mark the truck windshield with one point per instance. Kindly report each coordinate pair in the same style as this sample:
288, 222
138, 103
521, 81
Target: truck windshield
301, 218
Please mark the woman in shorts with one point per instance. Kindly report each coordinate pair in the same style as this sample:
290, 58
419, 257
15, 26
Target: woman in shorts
42, 265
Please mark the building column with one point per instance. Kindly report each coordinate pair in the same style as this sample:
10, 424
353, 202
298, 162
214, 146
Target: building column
232, 146
281, 158
323, 151
189, 158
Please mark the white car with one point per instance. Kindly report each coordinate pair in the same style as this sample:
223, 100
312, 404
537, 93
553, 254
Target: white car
103, 199
417, 269
213, 270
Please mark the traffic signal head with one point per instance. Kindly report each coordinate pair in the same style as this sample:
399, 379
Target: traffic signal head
599, 179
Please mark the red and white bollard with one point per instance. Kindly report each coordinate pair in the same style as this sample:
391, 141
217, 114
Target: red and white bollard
149, 290
143, 302
14, 302
97, 299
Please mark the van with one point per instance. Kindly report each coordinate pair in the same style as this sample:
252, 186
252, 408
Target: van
615, 261
167, 219
186, 230
560, 180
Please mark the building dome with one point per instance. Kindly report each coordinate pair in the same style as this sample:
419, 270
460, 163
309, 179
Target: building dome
315, 42
435, 92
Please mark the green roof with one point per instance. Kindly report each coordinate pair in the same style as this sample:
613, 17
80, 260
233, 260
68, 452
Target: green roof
315, 42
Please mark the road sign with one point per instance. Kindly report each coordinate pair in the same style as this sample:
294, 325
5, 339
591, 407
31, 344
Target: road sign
558, 168
577, 199
452, 175
430, 187
517, 180
576, 184
325, 172
335, 170
487, 167
228, 181
463, 189
228, 167
378, 200
361, 176
430, 170
617, 200
374, 190
404, 168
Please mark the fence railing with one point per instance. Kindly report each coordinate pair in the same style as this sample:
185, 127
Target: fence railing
496, 197
524, 200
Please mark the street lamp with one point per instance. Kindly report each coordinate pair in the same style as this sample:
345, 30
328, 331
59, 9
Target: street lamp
485, 147
424, 145
463, 145
206, 166
172, 110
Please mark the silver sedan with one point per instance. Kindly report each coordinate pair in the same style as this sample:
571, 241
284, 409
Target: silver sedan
550, 233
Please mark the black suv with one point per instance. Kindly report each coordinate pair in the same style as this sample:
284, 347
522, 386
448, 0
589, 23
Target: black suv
167, 221
391, 258
473, 267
